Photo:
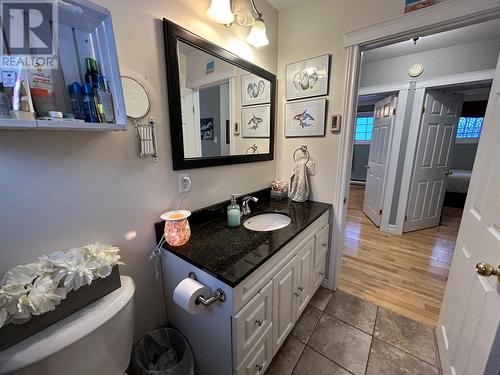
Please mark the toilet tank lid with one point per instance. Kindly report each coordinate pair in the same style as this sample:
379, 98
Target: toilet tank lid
67, 331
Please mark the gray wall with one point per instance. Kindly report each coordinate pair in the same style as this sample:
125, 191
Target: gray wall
478, 55
359, 161
210, 108
61, 189
464, 156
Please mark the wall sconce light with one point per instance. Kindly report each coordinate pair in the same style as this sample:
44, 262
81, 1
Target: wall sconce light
220, 11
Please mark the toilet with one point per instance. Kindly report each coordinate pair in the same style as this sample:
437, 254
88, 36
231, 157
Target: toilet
95, 340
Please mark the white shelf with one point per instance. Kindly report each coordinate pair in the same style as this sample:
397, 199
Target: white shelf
14, 124
85, 30
78, 126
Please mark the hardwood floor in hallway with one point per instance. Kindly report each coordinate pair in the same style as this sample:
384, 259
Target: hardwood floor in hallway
406, 274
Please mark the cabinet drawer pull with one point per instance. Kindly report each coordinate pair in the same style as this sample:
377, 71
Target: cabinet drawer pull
296, 294
300, 289
259, 367
323, 244
259, 322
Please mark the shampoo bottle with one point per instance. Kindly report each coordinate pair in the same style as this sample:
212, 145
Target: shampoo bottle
233, 213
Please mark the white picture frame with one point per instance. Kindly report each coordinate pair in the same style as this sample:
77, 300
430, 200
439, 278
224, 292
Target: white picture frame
305, 118
255, 90
255, 121
308, 78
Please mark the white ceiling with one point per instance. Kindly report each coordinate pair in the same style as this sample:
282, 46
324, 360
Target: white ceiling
283, 4
485, 30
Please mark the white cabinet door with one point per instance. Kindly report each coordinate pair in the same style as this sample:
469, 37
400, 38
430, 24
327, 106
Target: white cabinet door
319, 261
284, 302
304, 272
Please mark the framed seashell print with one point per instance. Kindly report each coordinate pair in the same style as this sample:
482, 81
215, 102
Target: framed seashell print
255, 121
255, 90
308, 78
305, 118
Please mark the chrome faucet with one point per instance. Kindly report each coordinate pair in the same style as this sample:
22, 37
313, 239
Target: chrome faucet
245, 209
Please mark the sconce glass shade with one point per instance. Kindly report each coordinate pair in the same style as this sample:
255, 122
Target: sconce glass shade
177, 230
220, 12
258, 36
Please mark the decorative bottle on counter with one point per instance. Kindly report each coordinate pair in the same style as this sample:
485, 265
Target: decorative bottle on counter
233, 213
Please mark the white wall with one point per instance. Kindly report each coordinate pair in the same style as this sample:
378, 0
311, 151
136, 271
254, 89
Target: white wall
461, 58
309, 29
64, 189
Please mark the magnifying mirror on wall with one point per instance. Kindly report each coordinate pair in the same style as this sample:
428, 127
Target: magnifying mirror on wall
137, 104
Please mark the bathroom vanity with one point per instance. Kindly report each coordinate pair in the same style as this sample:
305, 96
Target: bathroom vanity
267, 278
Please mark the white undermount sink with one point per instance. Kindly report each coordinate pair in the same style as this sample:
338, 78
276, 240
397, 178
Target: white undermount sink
267, 222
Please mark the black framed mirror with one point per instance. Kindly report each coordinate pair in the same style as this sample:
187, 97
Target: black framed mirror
222, 107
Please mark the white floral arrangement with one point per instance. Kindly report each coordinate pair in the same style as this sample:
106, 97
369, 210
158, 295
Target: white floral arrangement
36, 288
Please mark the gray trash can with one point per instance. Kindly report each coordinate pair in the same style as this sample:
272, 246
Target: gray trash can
163, 351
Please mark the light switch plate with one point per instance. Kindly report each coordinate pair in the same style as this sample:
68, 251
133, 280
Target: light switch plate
183, 184
311, 167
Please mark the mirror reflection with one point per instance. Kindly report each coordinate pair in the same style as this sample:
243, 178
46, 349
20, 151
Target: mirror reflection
225, 109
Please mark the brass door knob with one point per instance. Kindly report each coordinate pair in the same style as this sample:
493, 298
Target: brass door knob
485, 269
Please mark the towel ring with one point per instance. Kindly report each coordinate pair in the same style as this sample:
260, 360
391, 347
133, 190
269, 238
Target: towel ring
304, 149
254, 148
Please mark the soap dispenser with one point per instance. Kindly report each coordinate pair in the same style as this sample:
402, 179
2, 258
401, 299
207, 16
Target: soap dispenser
233, 212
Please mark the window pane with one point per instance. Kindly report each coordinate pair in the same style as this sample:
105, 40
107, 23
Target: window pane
469, 127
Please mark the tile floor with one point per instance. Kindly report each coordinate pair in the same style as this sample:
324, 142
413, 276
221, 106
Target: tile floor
340, 334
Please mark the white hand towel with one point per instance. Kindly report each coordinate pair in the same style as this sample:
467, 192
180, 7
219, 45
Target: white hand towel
299, 182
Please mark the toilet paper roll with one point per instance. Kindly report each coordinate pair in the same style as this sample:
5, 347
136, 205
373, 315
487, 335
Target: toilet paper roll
186, 293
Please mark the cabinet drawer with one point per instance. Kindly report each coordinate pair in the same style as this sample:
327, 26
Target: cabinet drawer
250, 323
259, 358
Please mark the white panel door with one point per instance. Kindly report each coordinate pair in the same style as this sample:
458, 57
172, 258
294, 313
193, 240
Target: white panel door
468, 331
383, 124
284, 303
435, 145
304, 269
190, 110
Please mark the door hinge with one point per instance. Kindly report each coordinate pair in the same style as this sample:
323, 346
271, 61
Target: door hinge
423, 109
380, 212
406, 217
394, 112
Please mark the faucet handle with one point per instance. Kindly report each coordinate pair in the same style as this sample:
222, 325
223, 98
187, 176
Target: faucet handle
248, 198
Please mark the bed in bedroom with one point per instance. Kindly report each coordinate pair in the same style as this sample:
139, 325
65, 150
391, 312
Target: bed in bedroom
457, 186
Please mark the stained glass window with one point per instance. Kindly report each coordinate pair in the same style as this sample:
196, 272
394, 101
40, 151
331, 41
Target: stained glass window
470, 127
364, 127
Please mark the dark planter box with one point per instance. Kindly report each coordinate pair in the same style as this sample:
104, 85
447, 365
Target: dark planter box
11, 334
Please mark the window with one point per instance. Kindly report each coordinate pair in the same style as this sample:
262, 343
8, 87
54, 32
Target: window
364, 127
469, 128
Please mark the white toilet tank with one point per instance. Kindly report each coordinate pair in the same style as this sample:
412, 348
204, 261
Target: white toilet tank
95, 340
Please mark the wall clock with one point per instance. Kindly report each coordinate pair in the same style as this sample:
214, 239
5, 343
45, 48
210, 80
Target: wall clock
415, 70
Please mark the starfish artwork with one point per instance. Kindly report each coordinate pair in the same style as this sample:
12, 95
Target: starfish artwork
255, 122
303, 118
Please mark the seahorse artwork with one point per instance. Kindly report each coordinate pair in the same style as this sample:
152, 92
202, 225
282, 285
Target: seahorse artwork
303, 117
255, 122
305, 80
256, 90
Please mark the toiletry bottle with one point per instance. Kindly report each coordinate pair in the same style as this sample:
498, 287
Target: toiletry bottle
105, 99
76, 99
89, 103
92, 74
233, 212
4, 103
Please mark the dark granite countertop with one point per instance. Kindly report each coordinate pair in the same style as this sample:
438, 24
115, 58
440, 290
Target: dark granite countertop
231, 254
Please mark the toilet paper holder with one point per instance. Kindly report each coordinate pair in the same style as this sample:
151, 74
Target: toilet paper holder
218, 295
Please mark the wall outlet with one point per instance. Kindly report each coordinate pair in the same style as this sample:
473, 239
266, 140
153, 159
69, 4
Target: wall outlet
183, 183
